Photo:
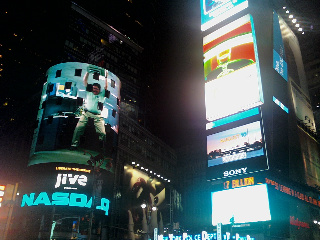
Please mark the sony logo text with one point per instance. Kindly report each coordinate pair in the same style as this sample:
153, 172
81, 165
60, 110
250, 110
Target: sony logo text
235, 172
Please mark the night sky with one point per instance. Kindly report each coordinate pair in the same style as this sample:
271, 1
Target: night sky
179, 112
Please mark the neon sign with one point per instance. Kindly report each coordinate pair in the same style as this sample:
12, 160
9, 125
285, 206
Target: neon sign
63, 179
292, 192
63, 199
239, 183
203, 236
296, 222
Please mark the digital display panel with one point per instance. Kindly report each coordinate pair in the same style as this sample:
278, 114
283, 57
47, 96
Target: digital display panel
215, 11
143, 189
69, 186
235, 144
78, 117
245, 204
231, 70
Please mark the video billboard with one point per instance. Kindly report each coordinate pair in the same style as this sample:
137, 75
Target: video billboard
243, 205
231, 70
235, 144
79, 113
143, 189
213, 11
63, 185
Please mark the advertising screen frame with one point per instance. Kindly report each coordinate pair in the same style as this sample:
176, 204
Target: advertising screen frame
253, 199
231, 68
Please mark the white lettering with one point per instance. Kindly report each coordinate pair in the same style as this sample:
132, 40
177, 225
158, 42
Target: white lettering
234, 172
63, 178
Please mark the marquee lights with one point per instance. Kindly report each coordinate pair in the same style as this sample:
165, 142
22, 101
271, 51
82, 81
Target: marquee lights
63, 199
73, 169
293, 193
134, 164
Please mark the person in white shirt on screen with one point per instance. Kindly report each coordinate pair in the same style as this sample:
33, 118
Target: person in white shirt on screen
93, 107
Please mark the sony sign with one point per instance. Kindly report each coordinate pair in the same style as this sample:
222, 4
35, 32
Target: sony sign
235, 172
71, 180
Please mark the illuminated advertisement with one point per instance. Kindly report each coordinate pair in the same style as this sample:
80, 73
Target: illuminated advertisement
302, 107
279, 56
310, 157
78, 115
231, 70
242, 205
215, 11
235, 144
205, 236
63, 199
66, 185
145, 201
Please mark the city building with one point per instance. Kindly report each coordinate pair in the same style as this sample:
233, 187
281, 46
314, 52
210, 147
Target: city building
262, 150
70, 193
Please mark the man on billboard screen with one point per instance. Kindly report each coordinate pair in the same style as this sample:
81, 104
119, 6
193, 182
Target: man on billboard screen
93, 107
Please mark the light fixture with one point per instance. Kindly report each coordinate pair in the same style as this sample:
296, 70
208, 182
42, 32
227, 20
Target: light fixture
133, 163
154, 208
297, 25
294, 20
302, 32
287, 11
143, 205
300, 29
290, 16
284, 7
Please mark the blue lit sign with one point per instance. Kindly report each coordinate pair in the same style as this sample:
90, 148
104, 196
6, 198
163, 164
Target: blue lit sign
283, 107
213, 11
279, 57
233, 118
63, 199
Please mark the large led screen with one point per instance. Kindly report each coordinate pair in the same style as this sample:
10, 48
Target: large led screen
64, 186
145, 200
231, 69
246, 204
213, 11
78, 117
235, 144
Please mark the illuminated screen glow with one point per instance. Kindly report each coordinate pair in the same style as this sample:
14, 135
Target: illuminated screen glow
231, 69
235, 144
232, 118
280, 104
279, 56
67, 97
213, 12
63, 199
246, 204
